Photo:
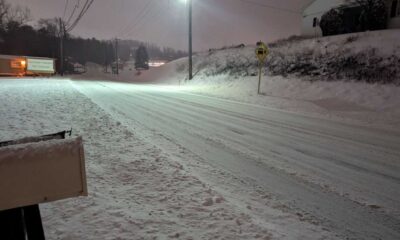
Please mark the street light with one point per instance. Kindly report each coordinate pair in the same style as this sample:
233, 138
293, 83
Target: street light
190, 41
189, 4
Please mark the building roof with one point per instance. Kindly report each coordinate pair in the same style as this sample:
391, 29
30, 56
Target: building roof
9, 57
307, 5
316, 7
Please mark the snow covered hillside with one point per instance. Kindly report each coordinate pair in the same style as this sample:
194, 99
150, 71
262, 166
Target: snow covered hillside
366, 57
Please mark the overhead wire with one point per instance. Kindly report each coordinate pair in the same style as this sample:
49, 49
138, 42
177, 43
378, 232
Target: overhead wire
134, 19
72, 12
271, 6
139, 20
152, 17
65, 8
84, 9
127, 31
134, 24
79, 16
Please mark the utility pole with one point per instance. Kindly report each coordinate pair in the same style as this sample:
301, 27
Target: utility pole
190, 41
62, 33
116, 55
105, 57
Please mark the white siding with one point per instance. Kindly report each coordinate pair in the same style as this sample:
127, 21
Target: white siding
321, 6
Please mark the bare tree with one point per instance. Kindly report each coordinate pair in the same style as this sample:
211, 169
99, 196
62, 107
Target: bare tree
4, 9
50, 26
18, 14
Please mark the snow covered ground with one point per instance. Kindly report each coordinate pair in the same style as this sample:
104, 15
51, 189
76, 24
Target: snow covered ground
136, 189
228, 74
211, 159
164, 163
371, 104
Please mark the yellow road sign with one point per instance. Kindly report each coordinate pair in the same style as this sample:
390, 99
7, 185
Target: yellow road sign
262, 51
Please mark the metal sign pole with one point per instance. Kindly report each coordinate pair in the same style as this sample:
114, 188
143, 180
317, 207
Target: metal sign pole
259, 78
261, 53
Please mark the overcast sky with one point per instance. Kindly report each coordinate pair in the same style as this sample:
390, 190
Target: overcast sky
164, 22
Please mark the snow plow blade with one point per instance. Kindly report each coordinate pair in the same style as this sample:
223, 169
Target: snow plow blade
39, 172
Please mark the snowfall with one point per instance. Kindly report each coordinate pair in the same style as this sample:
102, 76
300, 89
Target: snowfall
168, 158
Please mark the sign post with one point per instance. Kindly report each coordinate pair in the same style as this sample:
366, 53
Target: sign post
261, 53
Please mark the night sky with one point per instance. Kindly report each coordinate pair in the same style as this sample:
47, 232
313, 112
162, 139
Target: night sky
164, 22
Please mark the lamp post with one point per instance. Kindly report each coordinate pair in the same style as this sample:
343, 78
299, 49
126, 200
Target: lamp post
190, 41
189, 6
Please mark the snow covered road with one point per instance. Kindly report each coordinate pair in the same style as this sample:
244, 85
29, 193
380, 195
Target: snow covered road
343, 177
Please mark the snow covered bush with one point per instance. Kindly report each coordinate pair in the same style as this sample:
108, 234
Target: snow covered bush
364, 15
332, 22
180, 67
359, 57
372, 57
374, 15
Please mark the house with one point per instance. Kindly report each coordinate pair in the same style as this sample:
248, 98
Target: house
313, 12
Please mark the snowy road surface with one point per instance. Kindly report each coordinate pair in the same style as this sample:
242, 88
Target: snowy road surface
343, 177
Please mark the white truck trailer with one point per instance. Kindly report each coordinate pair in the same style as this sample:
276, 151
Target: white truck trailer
26, 66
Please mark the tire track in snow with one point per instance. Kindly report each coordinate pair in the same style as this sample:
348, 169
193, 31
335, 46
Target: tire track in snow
336, 212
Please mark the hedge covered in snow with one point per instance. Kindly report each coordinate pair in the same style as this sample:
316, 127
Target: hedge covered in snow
372, 57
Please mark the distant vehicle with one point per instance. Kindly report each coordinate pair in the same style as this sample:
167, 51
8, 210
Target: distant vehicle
157, 62
19, 66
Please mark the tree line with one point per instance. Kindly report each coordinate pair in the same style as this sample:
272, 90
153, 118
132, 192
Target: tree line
17, 37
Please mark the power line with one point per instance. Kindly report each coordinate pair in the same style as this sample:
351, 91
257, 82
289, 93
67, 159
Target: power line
271, 6
80, 15
134, 24
65, 8
134, 19
139, 25
72, 12
139, 19
85, 8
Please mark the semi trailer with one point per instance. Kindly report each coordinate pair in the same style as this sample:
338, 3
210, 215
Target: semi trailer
19, 66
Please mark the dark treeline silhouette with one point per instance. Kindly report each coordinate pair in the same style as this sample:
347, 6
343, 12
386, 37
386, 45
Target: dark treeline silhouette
43, 40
